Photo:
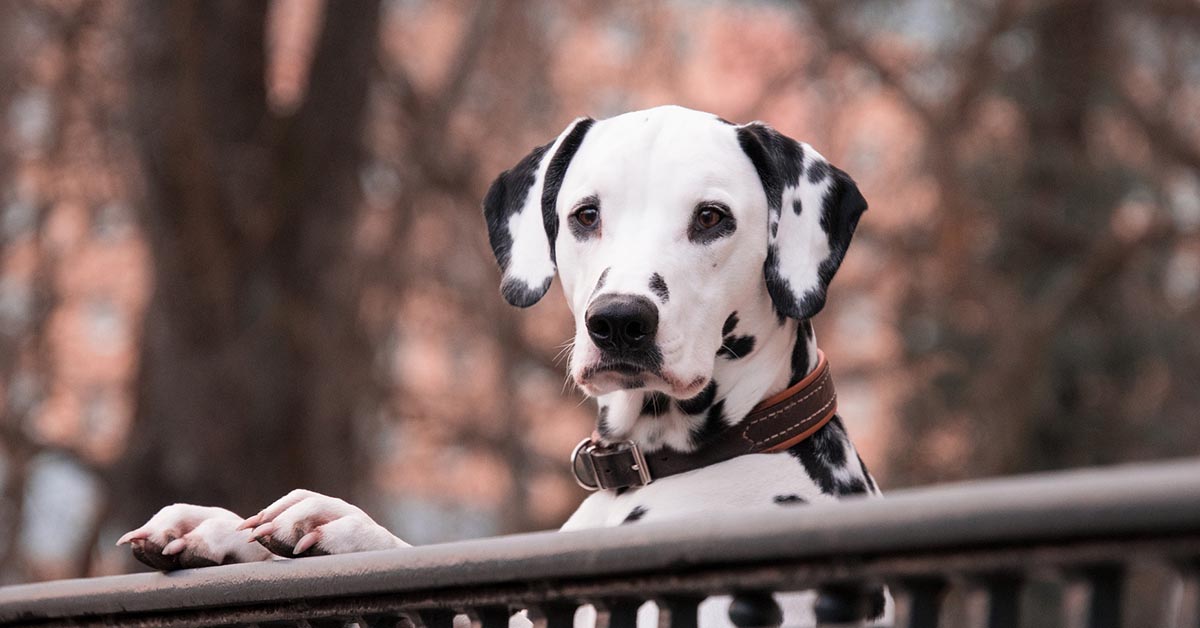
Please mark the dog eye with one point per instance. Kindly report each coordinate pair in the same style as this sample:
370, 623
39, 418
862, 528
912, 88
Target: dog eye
587, 215
709, 216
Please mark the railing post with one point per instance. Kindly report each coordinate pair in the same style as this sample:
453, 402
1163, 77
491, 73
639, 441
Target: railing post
756, 609
553, 615
390, 620
844, 603
320, 623
1185, 609
924, 601
618, 612
678, 611
1094, 600
436, 617
489, 616
1001, 600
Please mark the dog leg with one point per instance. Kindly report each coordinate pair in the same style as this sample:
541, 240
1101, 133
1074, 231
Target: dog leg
183, 536
304, 523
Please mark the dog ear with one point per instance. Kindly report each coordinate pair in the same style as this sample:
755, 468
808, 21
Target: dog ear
522, 219
813, 209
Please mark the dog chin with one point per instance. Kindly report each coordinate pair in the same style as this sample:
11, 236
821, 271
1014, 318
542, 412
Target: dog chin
600, 383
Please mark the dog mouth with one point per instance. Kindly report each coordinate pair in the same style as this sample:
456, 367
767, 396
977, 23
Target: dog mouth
618, 367
612, 375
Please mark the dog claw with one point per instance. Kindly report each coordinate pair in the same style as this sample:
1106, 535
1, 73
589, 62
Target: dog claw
182, 536
174, 547
250, 522
133, 535
264, 530
305, 542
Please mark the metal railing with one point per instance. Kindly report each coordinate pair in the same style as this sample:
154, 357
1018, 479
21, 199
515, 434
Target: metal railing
1111, 547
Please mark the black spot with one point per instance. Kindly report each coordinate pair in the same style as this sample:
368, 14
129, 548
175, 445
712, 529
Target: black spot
520, 294
817, 170
631, 384
867, 474
853, 486
797, 207
700, 402
555, 171
730, 324
824, 454
878, 603
602, 425
655, 403
787, 500
714, 424
601, 280
637, 513
658, 286
800, 355
736, 347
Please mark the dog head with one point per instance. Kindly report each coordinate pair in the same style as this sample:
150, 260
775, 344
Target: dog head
659, 224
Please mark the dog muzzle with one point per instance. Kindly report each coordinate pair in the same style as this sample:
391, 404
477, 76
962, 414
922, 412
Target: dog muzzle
774, 425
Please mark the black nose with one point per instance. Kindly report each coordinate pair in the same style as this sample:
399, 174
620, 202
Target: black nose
622, 322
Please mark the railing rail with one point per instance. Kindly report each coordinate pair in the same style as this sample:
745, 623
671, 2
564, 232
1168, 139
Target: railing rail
1083, 530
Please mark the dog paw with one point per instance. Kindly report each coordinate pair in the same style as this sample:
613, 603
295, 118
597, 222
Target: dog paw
304, 523
183, 536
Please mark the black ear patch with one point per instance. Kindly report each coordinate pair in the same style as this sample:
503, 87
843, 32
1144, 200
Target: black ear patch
554, 178
515, 212
795, 175
505, 197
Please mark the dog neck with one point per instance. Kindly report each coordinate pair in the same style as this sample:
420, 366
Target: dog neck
759, 357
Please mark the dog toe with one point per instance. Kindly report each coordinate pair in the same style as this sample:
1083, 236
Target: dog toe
183, 536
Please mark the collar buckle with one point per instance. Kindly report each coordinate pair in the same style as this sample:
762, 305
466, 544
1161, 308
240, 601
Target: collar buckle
618, 465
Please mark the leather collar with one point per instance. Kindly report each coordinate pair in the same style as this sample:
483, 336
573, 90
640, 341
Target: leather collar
774, 425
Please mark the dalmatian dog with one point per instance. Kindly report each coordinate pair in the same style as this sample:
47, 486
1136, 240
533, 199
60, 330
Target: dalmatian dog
693, 254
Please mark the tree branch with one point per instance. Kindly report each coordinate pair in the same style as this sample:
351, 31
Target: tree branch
825, 14
1159, 131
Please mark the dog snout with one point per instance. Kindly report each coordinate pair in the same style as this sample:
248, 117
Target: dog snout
622, 322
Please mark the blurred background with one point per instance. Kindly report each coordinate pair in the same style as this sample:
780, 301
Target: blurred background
241, 249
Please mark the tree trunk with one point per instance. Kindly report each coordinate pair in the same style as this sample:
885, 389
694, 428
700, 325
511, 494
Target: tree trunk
255, 364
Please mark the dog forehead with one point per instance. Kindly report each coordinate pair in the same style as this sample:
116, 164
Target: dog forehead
666, 150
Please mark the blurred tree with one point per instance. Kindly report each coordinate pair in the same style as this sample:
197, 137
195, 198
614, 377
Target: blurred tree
255, 363
1035, 327
325, 311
